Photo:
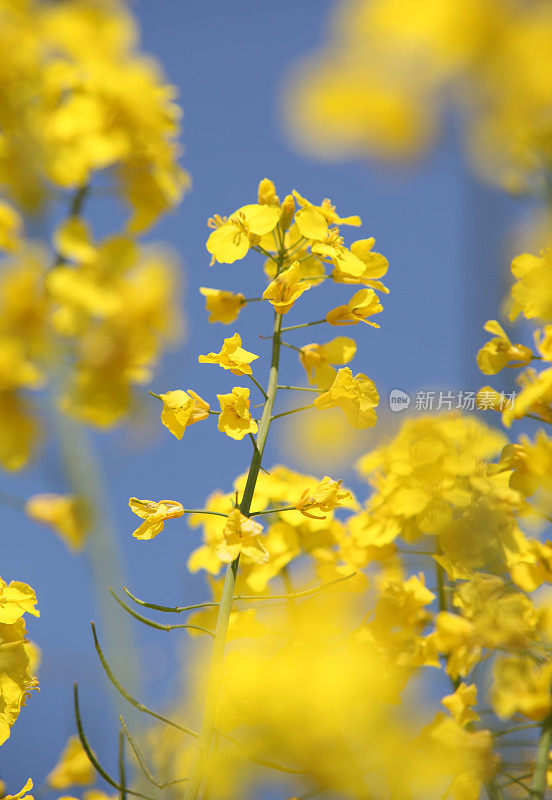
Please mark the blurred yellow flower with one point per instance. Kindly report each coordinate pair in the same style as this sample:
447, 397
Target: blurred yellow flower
73, 768
66, 514
222, 306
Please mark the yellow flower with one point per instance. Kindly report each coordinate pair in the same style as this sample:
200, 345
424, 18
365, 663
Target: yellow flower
286, 287
241, 535
16, 681
232, 237
154, 514
266, 193
460, 704
10, 227
325, 497
222, 306
73, 240
535, 397
357, 397
234, 419
514, 457
16, 599
232, 357
66, 514
317, 359
500, 352
73, 767
521, 685
361, 305
182, 409
327, 211
22, 794
532, 292
375, 266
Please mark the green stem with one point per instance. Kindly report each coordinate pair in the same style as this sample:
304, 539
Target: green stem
538, 784
225, 608
303, 325
293, 411
300, 388
259, 387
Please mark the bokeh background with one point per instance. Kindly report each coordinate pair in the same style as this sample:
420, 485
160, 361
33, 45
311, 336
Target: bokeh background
446, 236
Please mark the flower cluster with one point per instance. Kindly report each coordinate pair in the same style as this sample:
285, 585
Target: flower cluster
18, 657
380, 84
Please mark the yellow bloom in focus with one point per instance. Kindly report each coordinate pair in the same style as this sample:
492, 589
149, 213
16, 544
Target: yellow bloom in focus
222, 306
16, 599
241, 535
325, 497
327, 211
234, 419
73, 767
286, 287
22, 793
357, 397
17, 658
361, 305
461, 703
500, 352
182, 409
232, 237
154, 514
375, 266
232, 356
317, 359
66, 514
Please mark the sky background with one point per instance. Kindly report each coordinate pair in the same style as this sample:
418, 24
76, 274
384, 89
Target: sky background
443, 234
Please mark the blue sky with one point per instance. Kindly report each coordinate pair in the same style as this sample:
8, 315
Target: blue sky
443, 235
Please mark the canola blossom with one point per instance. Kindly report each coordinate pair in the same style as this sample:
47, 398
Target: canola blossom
385, 639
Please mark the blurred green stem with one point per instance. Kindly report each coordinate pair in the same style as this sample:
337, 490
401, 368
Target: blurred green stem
84, 473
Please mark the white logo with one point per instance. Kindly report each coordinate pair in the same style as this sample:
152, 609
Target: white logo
398, 400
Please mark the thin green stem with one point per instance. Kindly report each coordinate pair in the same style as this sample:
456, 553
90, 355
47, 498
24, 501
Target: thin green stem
304, 593
272, 511
538, 784
157, 625
203, 749
168, 609
128, 697
292, 347
259, 387
122, 774
300, 388
293, 411
303, 325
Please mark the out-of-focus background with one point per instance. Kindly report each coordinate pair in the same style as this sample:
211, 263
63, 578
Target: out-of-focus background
446, 235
